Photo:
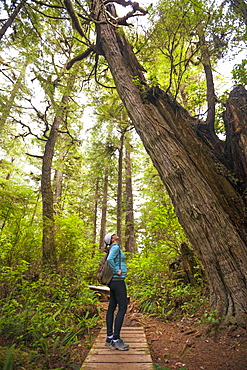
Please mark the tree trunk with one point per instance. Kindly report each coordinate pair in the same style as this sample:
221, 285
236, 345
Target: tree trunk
129, 218
58, 184
11, 19
104, 211
189, 162
95, 211
58, 190
96, 199
209, 80
119, 188
48, 243
188, 262
235, 118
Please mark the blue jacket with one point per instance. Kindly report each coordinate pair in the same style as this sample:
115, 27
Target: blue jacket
116, 262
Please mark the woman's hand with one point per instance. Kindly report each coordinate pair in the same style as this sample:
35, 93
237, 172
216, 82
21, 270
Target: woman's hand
120, 272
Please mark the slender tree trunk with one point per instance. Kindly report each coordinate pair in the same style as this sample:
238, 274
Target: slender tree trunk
129, 219
104, 211
58, 183
11, 18
58, 190
96, 197
209, 80
208, 206
119, 189
95, 217
48, 243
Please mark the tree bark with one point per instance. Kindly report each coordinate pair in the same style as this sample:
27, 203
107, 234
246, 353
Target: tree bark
58, 190
96, 200
129, 218
58, 184
104, 211
11, 19
119, 189
48, 242
208, 206
188, 262
235, 118
209, 80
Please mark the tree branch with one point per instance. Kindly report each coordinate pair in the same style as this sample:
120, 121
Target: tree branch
75, 20
79, 57
34, 155
47, 5
46, 15
11, 18
29, 130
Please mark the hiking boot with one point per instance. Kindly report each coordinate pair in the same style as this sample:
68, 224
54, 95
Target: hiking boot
108, 341
120, 345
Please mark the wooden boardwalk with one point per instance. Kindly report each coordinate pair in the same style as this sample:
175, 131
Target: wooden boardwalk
137, 357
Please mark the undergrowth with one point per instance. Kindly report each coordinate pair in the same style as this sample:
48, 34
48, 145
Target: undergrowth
159, 293
43, 317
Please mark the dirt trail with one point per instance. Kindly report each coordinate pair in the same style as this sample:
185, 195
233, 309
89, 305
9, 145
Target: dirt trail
185, 343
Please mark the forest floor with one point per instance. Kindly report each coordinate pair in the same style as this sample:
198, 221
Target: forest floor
184, 342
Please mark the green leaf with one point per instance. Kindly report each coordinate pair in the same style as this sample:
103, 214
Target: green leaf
159, 367
9, 360
75, 367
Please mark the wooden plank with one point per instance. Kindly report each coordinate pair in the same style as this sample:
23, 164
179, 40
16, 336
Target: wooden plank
133, 345
118, 356
100, 288
131, 351
103, 289
125, 336
137, 357
132, 329
119, 365
126, 330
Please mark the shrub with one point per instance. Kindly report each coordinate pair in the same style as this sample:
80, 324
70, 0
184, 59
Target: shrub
47, 315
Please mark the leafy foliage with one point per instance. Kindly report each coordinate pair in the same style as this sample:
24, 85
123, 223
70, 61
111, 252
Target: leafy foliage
239, 73
45, 314
159, 367
20, 230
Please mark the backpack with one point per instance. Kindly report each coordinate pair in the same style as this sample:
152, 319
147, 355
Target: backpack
104, 273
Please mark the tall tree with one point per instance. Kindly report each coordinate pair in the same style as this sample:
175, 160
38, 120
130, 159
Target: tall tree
129, 216
48, 244
120, 187
104, 210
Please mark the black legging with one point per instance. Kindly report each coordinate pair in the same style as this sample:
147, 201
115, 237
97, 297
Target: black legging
118, 296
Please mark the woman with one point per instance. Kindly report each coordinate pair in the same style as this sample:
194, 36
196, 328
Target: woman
118, 294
